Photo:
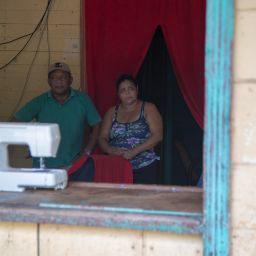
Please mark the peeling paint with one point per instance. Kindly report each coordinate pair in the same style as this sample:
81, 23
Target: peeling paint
218, 52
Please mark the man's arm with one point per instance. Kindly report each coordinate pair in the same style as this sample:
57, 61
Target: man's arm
29, 111
93, 139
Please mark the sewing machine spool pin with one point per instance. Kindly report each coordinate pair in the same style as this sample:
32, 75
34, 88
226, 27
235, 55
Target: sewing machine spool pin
42, 163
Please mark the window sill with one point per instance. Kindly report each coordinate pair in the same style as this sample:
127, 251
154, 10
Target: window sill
154, 208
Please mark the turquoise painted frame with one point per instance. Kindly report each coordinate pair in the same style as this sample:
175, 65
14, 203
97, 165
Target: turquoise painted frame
218, 62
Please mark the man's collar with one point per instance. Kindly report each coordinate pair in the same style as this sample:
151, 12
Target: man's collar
72, 93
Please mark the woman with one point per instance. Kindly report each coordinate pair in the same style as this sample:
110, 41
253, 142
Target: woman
132, 129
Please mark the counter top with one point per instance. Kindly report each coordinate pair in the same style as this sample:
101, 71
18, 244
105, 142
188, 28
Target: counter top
161, 208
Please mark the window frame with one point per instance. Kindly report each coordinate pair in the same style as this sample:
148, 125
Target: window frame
215, 221
218, 80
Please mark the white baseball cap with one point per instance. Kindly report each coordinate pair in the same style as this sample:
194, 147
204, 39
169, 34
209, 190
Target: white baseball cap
59, 66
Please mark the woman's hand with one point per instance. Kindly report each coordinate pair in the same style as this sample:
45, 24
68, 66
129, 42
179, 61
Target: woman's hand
129, 154
116, 151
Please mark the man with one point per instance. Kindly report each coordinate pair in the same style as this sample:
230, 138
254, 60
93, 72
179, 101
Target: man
71, 109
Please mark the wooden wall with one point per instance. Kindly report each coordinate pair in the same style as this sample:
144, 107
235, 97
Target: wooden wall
26, 76
18, 239
243, 196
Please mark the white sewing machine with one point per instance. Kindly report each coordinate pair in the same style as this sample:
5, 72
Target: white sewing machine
43, 141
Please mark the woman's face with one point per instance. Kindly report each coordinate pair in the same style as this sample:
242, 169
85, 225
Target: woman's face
127, 92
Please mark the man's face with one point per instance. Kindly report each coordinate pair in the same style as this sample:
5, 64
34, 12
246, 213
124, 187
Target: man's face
60, 82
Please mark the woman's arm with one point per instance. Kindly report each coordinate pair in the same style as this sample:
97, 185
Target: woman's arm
155, 123
104, 135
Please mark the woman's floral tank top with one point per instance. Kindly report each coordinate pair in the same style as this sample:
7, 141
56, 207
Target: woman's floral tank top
129, 135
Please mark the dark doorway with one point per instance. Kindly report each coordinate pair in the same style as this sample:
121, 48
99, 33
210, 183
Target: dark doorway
181, 149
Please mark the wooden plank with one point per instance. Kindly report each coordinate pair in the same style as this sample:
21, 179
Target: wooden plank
18, 239
4, 118
20, 151
69, 16
219, 35
21, 16
243, 203
8, 101
57, 30
39, 5
243, 242
54, 44
21, 239
159, 244
244, 47
11, 101
59, 240
10, 91
169, 209
22, 5
65, 240
42, 58
244, 123
37, 82
2, 17
245, 5
15, 30
66, 5
155, 199
21, 163
17, 82
20, 71
33, 16
18, 156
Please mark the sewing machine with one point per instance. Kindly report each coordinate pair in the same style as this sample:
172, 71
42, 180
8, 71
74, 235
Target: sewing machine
43, 141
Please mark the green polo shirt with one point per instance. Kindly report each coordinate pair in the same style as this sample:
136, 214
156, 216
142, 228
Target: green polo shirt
72, 117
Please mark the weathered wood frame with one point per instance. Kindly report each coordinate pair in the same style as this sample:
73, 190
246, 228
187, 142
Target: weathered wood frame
218, 56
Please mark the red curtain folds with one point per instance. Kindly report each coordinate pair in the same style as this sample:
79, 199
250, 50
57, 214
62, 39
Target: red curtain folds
118, 35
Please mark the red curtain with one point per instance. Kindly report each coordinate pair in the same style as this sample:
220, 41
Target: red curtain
118, 35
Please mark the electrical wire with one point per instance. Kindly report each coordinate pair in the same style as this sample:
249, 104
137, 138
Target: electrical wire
16, 39
47, 39
30, 36
26, 35
27, 76
45, 27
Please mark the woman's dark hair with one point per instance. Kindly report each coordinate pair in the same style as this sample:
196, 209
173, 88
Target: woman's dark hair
125, 77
